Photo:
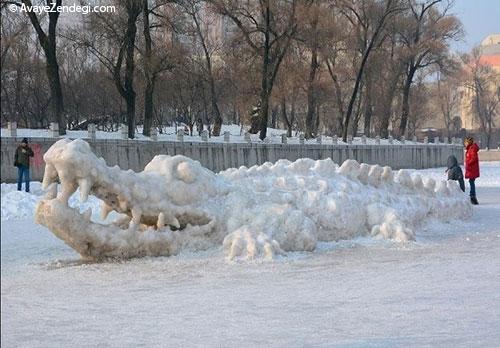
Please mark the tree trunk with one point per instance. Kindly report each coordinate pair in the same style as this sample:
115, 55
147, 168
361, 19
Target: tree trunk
56, 96
386, 111
150, 83
405, 112
340, 106
488, 137
285, 118
215, 106
350, 108
317, 120
338, 99
311, 90
217, 118
353, 128
48, 44
265, 88
148, 108
384, 127
263, 114
130, 35
311, 94
368, 107
274, 116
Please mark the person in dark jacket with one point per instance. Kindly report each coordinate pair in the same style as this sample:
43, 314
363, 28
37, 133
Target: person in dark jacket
22, 162
471, 166
455, 172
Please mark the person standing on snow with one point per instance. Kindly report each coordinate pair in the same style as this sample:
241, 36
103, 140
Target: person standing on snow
455, 172
471, 166
22, 162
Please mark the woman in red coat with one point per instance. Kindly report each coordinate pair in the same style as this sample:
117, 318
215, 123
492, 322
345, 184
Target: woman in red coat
471, 166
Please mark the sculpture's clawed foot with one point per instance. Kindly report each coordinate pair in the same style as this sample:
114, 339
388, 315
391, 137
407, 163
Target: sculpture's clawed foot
248, 244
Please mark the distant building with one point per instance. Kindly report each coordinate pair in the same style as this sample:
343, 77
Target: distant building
490, 48
490, 55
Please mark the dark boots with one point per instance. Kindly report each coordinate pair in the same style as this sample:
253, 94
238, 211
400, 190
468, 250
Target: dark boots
473, 200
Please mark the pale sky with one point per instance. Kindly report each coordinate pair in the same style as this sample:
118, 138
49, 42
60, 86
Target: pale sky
479, 18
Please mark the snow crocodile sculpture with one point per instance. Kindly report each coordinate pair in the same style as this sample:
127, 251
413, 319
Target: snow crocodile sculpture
256, 212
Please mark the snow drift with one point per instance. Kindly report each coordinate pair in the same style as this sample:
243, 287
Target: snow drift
261, 211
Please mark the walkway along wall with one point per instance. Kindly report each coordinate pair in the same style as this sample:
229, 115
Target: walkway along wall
135, 154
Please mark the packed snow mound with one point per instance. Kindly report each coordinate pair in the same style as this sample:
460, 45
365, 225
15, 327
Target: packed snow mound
256, 212
19, 204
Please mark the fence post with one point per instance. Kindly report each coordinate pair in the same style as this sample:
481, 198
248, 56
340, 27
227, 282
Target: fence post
12, 129
247, 137
335, 140
180, 135
377, 140
204, 135
283, 139
153, 134
54, 129
91, 129
319, 139
301, 139
227, 137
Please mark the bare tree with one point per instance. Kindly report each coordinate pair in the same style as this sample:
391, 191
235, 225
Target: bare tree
126, 85
112, 40
424, 36
156, 58
368, 19
267, 27
311, 35
200, 14
447, 99
47, 40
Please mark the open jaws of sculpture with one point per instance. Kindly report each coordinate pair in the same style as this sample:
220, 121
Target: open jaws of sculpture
256, 212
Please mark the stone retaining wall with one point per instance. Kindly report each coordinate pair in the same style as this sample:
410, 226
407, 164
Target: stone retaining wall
135, 154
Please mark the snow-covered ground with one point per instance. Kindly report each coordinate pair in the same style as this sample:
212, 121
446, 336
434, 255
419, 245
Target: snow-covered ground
441, 290
237, 136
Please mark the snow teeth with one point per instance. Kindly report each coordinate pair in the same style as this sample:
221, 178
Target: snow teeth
175, 222
85, 186
105, 210
136, 219
172, 220
167, 219
161, 221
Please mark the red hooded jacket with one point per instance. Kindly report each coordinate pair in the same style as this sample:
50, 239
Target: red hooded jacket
471, 161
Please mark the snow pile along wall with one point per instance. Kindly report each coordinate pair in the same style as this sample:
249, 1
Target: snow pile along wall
260, 211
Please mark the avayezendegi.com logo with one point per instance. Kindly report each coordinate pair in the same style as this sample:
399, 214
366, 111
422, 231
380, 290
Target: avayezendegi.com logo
39, 9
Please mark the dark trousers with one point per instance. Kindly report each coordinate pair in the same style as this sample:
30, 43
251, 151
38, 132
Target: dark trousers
23, 173
472, 183
462, 184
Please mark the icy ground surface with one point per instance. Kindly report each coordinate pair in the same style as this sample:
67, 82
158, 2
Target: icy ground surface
441, 290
